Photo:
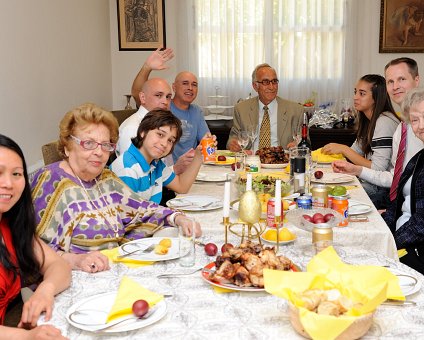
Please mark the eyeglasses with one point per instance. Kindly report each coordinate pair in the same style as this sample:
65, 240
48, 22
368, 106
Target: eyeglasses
266, 82
91, 144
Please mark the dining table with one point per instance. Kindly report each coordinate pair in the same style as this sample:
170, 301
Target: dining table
197, 309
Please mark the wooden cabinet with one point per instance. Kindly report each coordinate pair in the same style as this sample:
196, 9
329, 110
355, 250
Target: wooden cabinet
320, 137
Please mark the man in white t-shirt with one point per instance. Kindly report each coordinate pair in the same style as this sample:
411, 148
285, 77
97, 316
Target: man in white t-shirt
401, 76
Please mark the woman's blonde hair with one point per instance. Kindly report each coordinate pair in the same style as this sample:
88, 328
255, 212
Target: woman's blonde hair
81, 116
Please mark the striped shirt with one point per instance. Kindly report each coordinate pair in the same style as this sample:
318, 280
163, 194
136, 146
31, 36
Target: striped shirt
143, 178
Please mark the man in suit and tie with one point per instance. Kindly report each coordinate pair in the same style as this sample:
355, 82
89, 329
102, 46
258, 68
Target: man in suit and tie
270, 116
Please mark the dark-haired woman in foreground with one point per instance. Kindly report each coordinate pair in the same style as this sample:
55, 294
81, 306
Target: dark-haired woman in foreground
24, 258
373, 145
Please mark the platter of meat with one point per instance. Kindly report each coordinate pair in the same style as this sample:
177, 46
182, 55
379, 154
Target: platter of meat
241, 268
273, 157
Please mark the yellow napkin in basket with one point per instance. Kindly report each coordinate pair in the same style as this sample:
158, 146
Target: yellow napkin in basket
370, 285
112, 254
130, 291
318, 156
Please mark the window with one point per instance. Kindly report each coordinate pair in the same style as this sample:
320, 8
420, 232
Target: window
303, 40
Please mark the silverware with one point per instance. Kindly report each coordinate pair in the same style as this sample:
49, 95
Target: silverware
391, 302
143, 251
194, 205
182, 274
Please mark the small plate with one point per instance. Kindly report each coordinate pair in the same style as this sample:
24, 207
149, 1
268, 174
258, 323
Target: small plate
274, 166
173, 252
211, 177
281, 242
408, 283
195, 203
229, 160
358, 208
96, 306
333, 178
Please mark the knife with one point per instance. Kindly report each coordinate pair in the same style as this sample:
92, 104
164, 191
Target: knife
391, 302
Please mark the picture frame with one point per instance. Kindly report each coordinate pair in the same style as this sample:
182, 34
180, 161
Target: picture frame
141, 25
401, 26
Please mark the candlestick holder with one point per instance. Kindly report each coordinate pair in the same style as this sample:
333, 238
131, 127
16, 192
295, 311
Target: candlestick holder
246, 230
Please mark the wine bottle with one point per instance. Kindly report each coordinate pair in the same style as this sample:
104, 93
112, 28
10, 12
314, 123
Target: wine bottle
305, 141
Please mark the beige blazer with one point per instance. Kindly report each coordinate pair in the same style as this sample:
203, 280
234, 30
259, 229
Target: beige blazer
246, 114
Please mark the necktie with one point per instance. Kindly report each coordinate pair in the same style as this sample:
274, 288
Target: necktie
399, 162
265, 130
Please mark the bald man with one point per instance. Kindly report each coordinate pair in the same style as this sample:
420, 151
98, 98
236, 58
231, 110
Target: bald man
185, 89
155, 93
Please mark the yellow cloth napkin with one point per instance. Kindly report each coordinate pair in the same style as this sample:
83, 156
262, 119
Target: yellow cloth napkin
369, 285
318, 156
220, 290
129, 292
112, 254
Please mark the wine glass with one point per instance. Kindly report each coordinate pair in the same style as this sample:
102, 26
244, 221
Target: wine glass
253, 134
296, 133
243, 139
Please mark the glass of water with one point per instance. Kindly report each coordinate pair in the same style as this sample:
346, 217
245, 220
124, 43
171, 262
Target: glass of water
187, 239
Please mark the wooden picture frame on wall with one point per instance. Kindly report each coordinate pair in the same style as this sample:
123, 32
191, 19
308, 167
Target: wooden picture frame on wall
402, 26
141, 25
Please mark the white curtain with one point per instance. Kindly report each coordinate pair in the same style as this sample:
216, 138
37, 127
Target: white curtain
304, 40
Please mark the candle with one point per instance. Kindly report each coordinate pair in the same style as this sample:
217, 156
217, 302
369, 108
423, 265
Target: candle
226, 208
249, 182
277, 210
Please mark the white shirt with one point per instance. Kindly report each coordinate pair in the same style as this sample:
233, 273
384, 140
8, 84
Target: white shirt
385, 178
128, 129
406, 206
272, 111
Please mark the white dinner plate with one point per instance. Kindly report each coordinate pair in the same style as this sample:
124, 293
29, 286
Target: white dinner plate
195, 203
358, 208
211, 177
173, 251
94, 310
229, 160
333, 178
274, 166
408, 284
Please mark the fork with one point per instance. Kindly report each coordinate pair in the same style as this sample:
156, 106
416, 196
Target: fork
194, 205
147, 250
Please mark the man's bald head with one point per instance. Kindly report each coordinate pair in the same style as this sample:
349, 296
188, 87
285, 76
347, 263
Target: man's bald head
156, 93
185, 88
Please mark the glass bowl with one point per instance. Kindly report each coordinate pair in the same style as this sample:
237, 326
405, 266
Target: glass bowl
262, 183
295, 217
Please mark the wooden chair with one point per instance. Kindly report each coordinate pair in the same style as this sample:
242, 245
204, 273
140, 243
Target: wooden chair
50, 153
121, 115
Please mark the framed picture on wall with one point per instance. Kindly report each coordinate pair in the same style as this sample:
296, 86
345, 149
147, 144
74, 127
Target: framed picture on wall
402, 26
141, 24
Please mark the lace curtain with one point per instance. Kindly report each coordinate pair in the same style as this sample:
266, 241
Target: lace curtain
304, 40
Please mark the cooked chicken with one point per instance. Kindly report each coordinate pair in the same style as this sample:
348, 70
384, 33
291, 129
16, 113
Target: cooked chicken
241, 278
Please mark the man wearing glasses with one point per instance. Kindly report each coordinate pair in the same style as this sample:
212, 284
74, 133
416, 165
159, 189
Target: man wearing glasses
268, 116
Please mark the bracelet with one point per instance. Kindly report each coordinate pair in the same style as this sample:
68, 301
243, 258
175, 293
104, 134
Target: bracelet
171, 218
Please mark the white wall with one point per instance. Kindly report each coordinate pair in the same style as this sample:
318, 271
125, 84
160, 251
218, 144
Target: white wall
54, 56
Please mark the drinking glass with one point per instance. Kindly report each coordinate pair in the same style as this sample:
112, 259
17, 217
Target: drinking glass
243, 139
253, 134
297, 132
239, 162
187, 239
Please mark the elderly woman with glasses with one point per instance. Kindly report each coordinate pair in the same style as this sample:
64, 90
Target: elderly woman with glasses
82, 207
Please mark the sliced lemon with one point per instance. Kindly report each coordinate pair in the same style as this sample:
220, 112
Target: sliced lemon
286, 235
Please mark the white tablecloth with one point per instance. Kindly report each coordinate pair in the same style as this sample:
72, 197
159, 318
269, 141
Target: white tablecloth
197, 311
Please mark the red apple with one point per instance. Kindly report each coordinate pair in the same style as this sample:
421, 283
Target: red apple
328, 217
308, 218
225, 247
318, 174
211, 249
140, 308
222, 158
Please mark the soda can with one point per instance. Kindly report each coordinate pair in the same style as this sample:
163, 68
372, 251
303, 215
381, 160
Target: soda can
319, 196
208, 149
341, 205
322, 238
330, 201
304, 202
270, 212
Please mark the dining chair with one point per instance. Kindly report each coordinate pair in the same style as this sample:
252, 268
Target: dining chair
121, 115
50, 153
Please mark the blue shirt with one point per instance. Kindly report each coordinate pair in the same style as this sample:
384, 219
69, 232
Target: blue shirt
194, 128
143, 178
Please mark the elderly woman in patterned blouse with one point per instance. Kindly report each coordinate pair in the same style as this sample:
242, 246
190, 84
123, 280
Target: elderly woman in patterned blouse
82, 207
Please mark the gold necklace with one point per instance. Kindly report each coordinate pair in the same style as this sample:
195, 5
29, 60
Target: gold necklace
115, 225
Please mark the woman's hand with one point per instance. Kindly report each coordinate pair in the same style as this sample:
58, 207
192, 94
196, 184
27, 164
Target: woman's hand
346, 168
91, 262
333, 148
44, 332
185, 222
